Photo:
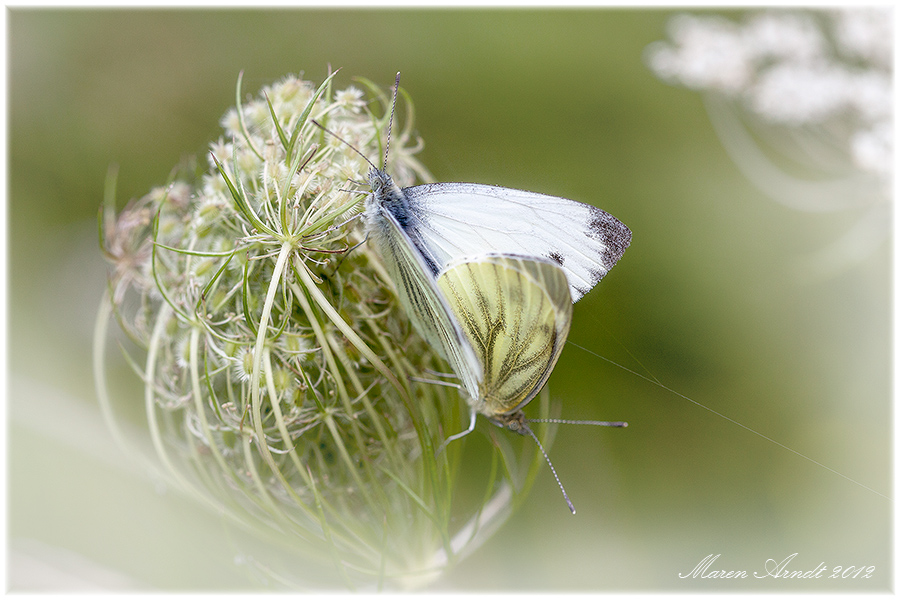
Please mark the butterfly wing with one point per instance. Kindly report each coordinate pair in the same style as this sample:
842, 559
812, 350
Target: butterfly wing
452, 220
427, 309
515, 312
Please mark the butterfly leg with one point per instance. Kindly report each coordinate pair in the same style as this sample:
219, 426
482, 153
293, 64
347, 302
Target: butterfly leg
472, 415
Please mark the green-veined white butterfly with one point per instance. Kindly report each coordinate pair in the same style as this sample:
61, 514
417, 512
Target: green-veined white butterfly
488, 276
558, 248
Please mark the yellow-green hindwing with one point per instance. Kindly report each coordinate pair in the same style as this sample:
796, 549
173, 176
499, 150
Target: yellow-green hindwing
515, 313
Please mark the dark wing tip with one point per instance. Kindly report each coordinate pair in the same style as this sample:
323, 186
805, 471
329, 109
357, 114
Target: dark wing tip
612, 232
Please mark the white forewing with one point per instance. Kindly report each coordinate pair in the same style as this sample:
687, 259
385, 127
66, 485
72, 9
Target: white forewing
450, 220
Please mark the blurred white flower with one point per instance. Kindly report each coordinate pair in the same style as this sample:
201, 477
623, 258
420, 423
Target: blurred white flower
789, 36
867, 34
818, 86
708, 53
796, 94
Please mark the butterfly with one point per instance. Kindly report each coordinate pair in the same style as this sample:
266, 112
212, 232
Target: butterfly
488, 276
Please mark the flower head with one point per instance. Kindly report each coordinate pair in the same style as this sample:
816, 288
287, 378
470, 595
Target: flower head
278, 364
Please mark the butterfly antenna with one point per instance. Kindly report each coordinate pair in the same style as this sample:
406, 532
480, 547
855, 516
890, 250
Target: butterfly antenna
387, 145
343, 141
568, 422
550, 464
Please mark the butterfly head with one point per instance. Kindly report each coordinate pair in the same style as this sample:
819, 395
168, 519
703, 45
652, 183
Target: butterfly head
379, 181
513, 421
387, 195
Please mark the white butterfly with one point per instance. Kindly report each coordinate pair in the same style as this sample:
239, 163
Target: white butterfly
488, 276
509, 254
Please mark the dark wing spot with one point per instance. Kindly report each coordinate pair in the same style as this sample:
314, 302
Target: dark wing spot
556, 257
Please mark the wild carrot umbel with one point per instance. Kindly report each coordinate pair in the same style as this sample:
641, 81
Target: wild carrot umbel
278, 368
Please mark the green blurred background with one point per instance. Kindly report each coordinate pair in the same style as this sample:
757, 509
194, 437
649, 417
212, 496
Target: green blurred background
709, 300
